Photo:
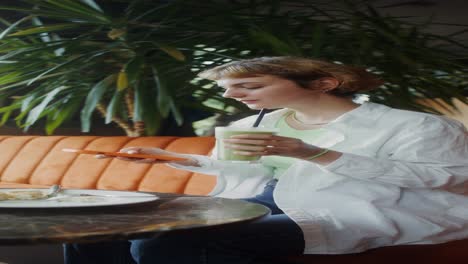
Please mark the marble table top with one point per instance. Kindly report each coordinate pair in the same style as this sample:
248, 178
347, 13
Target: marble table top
171, 212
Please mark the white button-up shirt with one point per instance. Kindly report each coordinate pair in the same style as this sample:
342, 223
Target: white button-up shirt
402, 179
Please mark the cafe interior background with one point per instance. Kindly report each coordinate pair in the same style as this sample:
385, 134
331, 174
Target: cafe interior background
129, 67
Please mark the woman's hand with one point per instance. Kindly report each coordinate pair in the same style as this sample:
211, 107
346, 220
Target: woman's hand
152, 151
265, 145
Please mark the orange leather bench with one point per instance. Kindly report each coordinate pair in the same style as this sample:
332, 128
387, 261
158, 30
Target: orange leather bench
37, 161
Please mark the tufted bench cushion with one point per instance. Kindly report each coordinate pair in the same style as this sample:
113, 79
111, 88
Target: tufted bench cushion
40, 161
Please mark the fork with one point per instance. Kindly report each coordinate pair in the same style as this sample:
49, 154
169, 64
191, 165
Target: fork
53, 191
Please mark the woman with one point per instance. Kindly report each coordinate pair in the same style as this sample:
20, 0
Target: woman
340, 177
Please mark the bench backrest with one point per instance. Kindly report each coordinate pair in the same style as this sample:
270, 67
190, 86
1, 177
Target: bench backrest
39, 160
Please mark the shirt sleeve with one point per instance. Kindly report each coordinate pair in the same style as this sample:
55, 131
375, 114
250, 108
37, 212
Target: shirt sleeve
432, 155
205, 164
209, 165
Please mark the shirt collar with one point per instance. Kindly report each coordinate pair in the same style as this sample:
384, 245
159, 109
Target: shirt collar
365, 116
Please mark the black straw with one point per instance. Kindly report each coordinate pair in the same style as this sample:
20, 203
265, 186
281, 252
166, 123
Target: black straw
259, 117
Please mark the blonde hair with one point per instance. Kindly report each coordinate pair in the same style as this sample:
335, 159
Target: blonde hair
300, 70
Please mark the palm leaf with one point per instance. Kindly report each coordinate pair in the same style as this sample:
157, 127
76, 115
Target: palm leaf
172, 51
139, 106
36, 112
43, 29
13, 26
58, 116
113, 106
78, 8
93, 4
54, 68
163, 99
93, 98
179, 118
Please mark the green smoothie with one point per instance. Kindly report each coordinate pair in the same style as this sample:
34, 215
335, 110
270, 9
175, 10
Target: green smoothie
226, 132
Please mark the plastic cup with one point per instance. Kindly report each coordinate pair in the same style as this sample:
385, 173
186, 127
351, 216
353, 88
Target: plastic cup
226, 132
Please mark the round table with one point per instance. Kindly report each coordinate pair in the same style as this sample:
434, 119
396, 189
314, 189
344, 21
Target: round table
90, 224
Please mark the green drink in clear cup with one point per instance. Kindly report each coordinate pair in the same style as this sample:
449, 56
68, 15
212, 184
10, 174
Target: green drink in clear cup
226, 132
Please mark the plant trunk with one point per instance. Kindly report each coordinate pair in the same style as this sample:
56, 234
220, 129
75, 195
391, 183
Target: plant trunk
121, 123
138, 128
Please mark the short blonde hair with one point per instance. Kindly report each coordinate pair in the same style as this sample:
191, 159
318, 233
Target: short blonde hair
300, 70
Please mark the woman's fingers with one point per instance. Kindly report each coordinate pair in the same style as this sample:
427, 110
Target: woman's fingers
101, 156
133, 150
264, 142
152, 151
144, 150
245, 147
261, 144
254, 147
249, 153
266, 152
138, 150
257, 144
259, 136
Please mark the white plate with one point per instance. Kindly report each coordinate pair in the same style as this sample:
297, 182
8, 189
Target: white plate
71, 198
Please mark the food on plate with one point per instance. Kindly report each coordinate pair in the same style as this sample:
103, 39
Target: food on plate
22, 195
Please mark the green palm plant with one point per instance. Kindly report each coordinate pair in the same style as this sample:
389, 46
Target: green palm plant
135, 61
69, 56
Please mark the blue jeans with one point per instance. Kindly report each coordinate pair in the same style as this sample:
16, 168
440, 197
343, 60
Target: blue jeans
256, 242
